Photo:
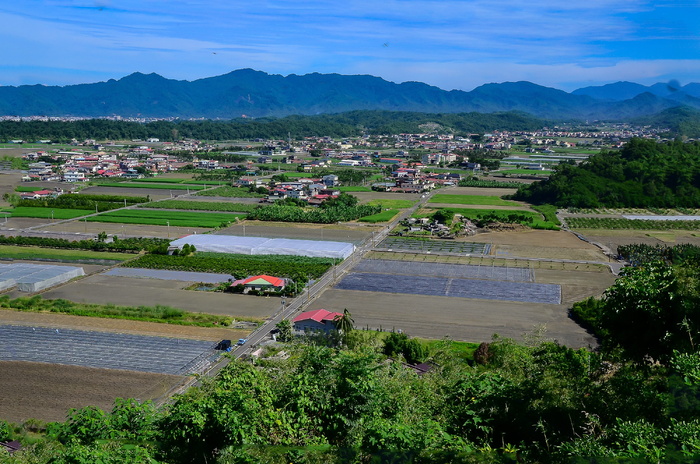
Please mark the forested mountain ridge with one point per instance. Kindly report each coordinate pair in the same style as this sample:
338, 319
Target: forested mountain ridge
258, 94
644, 173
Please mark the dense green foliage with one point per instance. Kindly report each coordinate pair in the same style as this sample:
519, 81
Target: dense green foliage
86, 202
156, 313
486, 217
132, 245
202, 206
642, 174
638, 254
342, 208
334, 125
488, 183
649, 313
298, 268
612, 223
541, 403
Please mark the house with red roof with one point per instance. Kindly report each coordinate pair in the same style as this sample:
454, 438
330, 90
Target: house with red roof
318, 320
261, 283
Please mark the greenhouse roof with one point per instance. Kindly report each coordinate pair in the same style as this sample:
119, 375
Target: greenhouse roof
266, 246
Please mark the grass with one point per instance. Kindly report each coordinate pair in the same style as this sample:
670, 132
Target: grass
489, 200
47, 213
384, 216
158, 313
354, 188
164, 218
24, 189
23, 252
162, 186
201, 206
532, 172
549, 212
392, 204
235, 192
160, 180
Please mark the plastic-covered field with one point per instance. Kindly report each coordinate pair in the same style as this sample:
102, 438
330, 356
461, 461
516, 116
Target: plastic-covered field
103, 350
435, 246
36, 277
168, 275
266, 246
463, 271
452, 287
662, 218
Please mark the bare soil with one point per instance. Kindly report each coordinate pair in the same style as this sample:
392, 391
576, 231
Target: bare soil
47, 391
547, 244
98, 324
130, 291
459, 318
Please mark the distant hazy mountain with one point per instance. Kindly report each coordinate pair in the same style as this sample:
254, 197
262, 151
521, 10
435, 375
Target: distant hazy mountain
258, 94
619, 91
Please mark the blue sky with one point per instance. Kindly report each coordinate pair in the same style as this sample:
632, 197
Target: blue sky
452, 44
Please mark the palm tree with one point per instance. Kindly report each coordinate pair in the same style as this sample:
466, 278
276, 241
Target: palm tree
345, 323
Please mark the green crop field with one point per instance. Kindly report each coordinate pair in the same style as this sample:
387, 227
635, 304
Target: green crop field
23, 252
161, 186
160, 180
531, 172
234, 192
391, 203
201, 206
354, 188
471, 200
25, 189
630, 224
384, 216
47, 213
164, 218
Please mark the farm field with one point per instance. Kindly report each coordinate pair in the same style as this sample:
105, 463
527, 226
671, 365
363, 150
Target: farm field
47, 213
477, 191
455, 199
154, 186
368, 196
130, 291
614, 238
122, 230
46, 391
24, 252
546, 244
154, 194
459, 318
164, 218
332, 232
223, 206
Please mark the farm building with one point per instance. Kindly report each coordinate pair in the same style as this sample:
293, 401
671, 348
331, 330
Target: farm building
35, 277
266, 246
262, 282
318, 320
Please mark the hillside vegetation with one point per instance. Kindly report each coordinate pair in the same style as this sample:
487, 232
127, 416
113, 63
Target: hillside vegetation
642, 174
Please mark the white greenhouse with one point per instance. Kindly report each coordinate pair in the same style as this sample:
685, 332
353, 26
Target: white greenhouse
266, 246
35, 277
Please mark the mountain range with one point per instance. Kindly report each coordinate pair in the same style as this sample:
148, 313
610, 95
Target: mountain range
250, 93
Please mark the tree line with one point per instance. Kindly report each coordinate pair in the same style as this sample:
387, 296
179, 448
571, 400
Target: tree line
644, 173
349, 124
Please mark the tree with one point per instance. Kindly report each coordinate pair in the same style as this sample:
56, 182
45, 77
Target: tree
285, 328
653, 310
345, 323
